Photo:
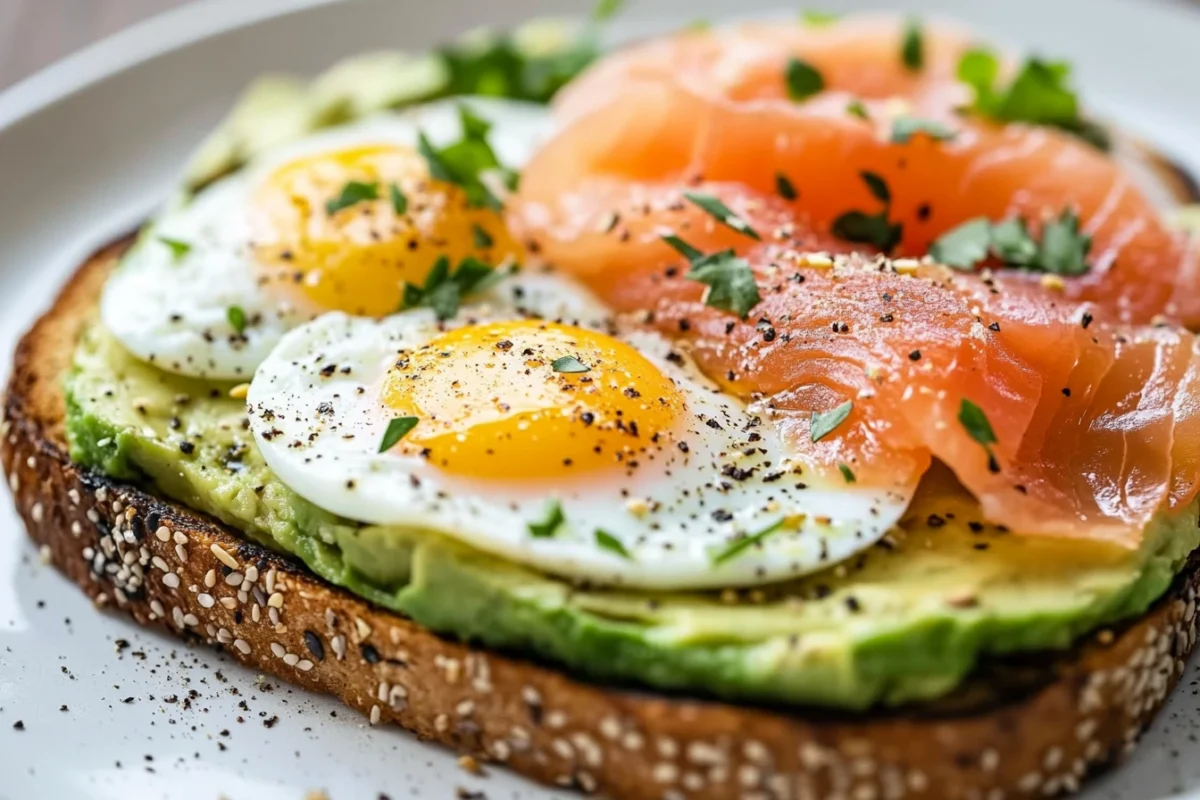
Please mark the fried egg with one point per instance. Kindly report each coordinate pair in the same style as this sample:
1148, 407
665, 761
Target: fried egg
536, 427
340, 221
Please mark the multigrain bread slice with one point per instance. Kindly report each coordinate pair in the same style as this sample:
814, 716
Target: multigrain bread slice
1024, 727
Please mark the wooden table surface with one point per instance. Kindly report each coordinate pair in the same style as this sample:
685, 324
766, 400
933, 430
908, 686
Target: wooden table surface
34, 33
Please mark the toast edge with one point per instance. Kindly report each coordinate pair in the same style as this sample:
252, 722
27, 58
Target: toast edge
172, 568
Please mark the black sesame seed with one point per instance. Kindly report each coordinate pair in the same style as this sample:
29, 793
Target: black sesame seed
313, 642
369, 653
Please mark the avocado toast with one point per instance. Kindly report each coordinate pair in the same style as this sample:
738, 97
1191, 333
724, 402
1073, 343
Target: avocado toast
1032, 672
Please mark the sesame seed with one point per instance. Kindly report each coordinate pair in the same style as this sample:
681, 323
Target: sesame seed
191, 620
304, 665
278, 650
376, 714
205, 600
291, 659
243, 646
240, 391
37, 512
163, 533
229, 603
223, 556
181, 552
171, 580
275, 600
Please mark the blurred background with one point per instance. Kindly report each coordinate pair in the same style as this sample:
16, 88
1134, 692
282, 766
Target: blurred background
34, 33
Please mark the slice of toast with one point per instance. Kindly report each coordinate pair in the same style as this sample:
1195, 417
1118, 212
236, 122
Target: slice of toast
1029, 726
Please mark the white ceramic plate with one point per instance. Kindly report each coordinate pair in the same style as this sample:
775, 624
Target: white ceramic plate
86, 148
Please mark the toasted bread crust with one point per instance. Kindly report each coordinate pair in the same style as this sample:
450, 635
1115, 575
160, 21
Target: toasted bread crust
173, 568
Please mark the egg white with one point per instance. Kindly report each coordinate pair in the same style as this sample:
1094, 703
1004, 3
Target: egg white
319, 433
173, 310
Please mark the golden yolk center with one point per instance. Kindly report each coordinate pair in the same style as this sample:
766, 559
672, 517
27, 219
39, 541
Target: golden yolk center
491, 403
346, 230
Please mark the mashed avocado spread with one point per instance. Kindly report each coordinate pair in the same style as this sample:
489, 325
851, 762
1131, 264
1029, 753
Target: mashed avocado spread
905, 621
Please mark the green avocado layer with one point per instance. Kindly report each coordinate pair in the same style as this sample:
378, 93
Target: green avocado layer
903, 622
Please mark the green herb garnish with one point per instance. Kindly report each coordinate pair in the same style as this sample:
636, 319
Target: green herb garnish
397, 429
912, 47
352, 194
976, 423
483, 239
856, 108
569, 364
1063, 249
872, 229
179, 248
817, 18
443, 290
803, 80
722, 213
607, 541
237, 318
683, 248
730, 281
784, 187
847, 473
745, 542
606, 10
465, 162
399, 201
552, 522
824, 423
905, 128
1039, 94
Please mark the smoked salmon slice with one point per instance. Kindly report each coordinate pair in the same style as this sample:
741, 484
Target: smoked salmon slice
720, 106
1050, 402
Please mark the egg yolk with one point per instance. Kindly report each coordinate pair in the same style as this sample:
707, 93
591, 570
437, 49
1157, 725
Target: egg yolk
491, 401
346, 230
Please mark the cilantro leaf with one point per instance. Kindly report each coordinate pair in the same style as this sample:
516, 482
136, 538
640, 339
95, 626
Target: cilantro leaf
353, 193
1064, 249
818, 18
1038, 94
975, 422
722, 213
856, 108
784, 187
443, 290
803, 80
399, 200
872, 229
607, 541
552, 522
964, 246
483, 240
877, 185
179, 248
569, 365
606, 10
1012, 244
683, 248
237, 318
737, 546
396, 430
912, 47
465, 162
847, 473
824, 423
905, 128
730, 281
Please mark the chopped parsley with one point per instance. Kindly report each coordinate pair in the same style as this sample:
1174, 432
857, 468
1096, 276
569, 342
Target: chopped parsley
352, 194
856, 108
744, 543
847, 473
683, 248
550, 525
722, 213
399, 201
483, 239
784, 187
872, 229
179, 248
397, 429
818, 18
237, 318
569, 364
912, 46
823, 424
606, 10
1063, 250
607, 541
1038, 94
803, 80
465, 163
976, 424
443, 289
905, 128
